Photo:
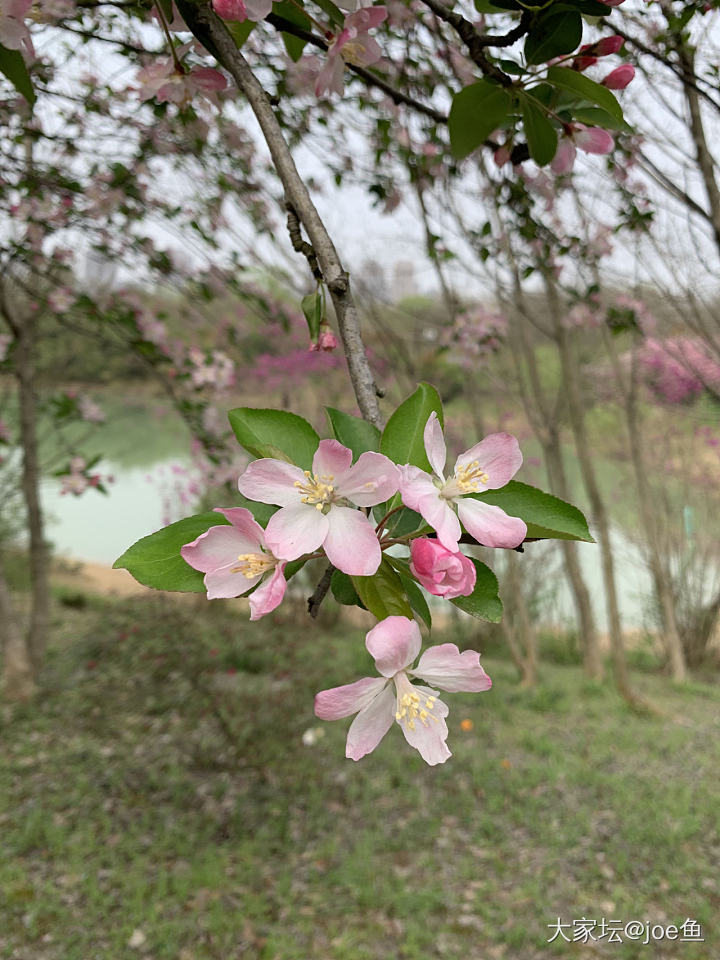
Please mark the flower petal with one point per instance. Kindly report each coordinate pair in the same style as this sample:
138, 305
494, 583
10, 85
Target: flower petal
393, 643
223, 583
269, 594
244, 522
217, 547
490, 525
444, 666
435, 444
339, 702
351, 543
414, 485
498, 455
296, 530
331, 459
373, 479
442, 518
271, 481
371, 724
428, 738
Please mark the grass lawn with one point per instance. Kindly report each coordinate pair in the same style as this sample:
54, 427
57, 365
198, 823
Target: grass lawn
158, 803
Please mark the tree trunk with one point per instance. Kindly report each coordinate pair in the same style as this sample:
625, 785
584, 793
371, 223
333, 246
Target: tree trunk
519, 631
27, 401
18, 683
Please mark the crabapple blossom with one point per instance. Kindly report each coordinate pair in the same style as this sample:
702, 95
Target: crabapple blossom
316, 506
487, 465
352, 45
394, 643
441, 572
588, 139
235, 559
240, 10
164, 82
13, 32
326, 341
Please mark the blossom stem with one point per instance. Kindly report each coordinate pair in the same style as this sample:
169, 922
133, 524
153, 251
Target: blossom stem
166, 30
385, 519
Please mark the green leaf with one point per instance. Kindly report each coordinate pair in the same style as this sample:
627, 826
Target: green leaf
546, 516
476, 111
553, 34
414, 594
155, 560
402, 438
540, 133
344, 591
275, 433
289, 11
13, 66
312, 309
383, 593
353, 432
484, 602
335, 14
595, 117
585, 88
240, 31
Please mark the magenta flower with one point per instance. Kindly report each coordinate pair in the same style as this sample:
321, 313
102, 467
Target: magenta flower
316, 506
620, 77
240, 10
588, 139
352, 45
394, 643
235, 559
442, 573
488, 465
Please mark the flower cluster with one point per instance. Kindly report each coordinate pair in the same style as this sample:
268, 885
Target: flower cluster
328, 510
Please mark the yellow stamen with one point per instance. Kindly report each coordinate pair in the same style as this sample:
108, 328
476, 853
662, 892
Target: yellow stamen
353, 52
413, 708
252, 565
470, 476
316, 490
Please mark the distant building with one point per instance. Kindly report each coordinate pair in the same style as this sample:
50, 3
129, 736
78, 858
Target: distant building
404, 282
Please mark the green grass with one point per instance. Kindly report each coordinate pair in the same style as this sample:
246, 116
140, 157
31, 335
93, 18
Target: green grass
160, 784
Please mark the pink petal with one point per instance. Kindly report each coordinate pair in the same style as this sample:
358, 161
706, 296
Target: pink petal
271, 481
258, 9
331, 459
339, 702
490, 525
222, 583
296, 530
269, 594
445, 667
217, 547
370, 51
244, 522
351, 543
373, 479
415, 484
442, 518
393, 643
498, 455
564, 159
427, 738
593, 139
435, 444
366, 18
370, 725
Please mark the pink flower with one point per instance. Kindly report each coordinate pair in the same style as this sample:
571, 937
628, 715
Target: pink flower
394, 643
608, 45
13, 33
315, 509
352, 45
588, 139
488, 465
442, 573
163, 82
240, 10
620, 77
326, 341
235, 559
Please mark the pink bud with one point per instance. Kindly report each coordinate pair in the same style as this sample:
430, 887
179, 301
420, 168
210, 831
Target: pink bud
612, 3
582, 63
327, 341
230, 9
609, 45
441, 572
620, 77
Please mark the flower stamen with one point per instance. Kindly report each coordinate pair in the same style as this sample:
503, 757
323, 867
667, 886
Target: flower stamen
316, 490
410, 709
470, 476
252, 565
